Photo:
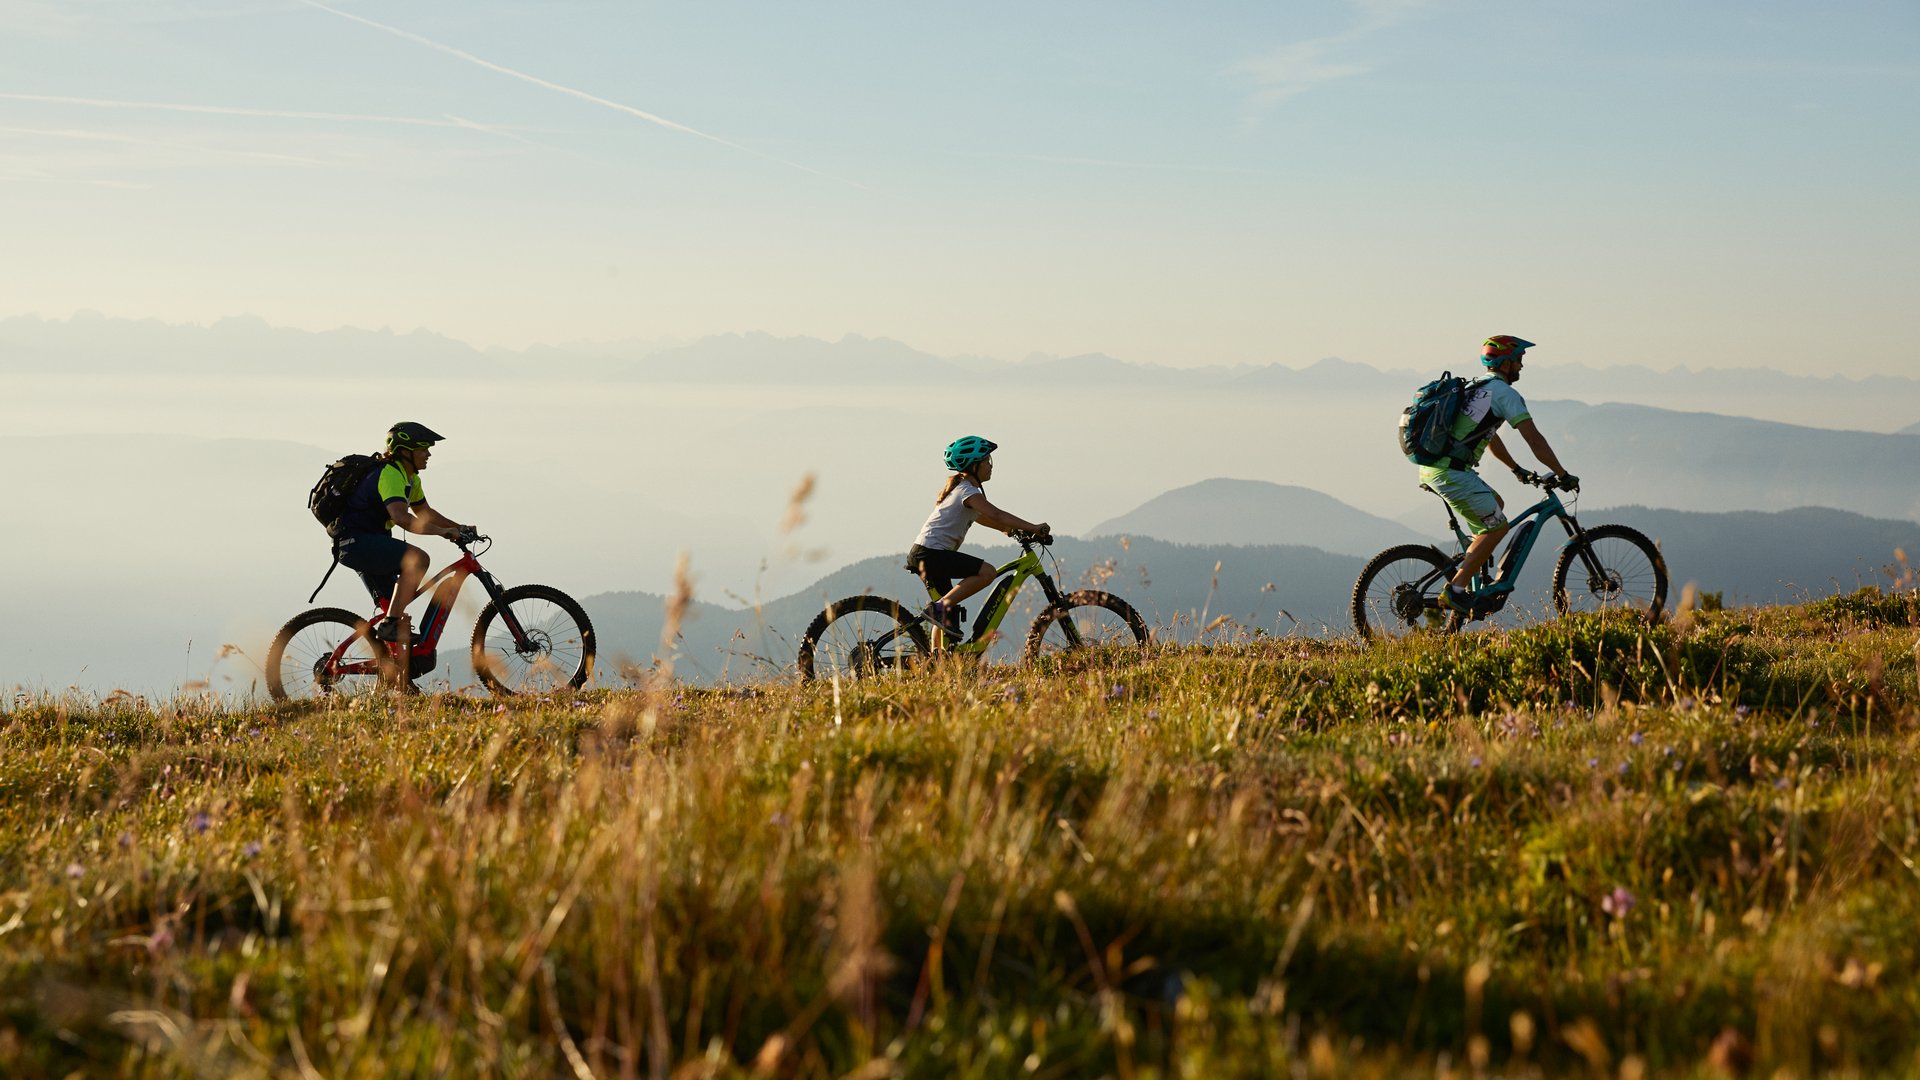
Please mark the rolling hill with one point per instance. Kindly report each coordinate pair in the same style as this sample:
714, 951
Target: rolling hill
1223, 511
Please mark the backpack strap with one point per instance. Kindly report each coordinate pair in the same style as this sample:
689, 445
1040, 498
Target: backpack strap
327, 576
1463, 447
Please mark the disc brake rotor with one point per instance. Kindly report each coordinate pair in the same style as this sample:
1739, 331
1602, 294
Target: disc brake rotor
1408, 603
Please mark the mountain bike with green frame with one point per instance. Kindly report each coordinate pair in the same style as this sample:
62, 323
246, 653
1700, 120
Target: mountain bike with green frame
1607, 567
864, 636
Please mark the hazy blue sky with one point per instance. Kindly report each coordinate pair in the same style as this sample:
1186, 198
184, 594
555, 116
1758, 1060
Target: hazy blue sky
1721, 182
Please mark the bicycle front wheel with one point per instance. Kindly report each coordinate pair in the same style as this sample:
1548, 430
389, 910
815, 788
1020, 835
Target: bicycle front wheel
324, 653
1398, 590
1086, 620
861, 637
1611, 568
533, 640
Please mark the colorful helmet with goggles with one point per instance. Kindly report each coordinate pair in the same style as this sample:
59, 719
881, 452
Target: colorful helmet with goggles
967, 451
407, 435
1502, 347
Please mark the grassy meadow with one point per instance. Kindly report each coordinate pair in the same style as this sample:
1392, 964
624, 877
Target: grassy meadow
1586, 848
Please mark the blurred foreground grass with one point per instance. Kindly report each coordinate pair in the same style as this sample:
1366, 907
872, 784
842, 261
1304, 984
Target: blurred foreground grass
1584, 848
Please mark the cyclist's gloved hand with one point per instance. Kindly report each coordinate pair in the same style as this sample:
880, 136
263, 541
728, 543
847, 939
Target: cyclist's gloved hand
1525, 476
1569, 481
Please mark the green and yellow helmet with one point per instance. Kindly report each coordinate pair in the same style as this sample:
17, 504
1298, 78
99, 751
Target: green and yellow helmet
968, 451
408, 435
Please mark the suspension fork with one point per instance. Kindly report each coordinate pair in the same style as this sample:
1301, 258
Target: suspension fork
1577, 537
1055, 598
499, 596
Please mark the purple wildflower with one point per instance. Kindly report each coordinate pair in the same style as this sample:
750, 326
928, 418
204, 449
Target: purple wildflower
1617, 903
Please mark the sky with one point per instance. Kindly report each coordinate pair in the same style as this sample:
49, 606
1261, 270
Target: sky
1715, 183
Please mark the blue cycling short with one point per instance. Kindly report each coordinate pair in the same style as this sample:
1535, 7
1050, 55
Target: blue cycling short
375, 557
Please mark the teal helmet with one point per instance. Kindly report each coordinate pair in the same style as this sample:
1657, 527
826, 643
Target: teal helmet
1500, 348
967, 451
408, 435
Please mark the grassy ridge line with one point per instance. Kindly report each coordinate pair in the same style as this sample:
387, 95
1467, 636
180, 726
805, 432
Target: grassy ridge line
1577, 841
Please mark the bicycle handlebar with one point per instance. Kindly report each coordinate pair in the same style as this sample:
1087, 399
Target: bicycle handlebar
1024, 538
1550, 482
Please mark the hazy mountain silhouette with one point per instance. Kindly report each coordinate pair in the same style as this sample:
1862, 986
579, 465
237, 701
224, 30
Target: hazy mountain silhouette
93, 343
1707, 462
1223, 511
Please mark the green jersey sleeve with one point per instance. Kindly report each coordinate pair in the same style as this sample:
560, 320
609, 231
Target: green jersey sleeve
396, 484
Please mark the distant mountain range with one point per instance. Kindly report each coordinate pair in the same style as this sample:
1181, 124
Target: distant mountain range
1702, 461
247, 345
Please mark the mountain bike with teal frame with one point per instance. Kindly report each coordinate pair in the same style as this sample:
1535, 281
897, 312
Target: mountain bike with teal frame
1607, 567
864, 636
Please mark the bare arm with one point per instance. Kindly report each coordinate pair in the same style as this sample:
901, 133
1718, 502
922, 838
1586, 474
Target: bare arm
1500, 452
1538, 444
422, 520
995, 518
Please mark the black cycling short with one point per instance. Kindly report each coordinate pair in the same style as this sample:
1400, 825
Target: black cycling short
939, 569
375, 557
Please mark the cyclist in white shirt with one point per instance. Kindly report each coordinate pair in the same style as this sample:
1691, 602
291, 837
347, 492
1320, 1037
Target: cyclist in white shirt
1492, 401
936, 554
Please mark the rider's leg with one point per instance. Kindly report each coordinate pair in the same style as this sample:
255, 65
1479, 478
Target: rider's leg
968, 574
1482, 509
1477, 555
967, 586
413, 568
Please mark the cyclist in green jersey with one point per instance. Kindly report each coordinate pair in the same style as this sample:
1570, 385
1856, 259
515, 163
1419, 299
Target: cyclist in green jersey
393, 495
1492, 401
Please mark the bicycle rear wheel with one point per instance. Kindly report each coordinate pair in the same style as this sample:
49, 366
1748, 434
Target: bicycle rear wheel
1086, 620
861, 637
553, 649
1397, 592
1611, 568
324, 653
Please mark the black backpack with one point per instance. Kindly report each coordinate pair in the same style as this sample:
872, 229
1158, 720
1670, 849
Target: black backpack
329, 497
1426, 426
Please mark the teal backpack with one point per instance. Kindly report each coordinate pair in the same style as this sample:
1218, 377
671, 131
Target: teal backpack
1426, 426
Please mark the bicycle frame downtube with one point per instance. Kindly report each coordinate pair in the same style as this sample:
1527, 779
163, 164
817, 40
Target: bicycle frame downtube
1545, 508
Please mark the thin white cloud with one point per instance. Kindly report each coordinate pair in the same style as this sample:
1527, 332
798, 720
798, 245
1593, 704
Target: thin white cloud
1110, 163
570, 91
78, 135
1296, 68
27, 176
239, 110
1300, 66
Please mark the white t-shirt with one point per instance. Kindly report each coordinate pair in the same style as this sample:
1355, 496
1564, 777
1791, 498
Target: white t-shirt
950, 520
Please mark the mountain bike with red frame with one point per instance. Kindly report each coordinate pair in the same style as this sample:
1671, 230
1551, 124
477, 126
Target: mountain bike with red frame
528, 639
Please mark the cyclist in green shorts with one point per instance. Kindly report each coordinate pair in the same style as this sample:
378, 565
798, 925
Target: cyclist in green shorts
1491, 401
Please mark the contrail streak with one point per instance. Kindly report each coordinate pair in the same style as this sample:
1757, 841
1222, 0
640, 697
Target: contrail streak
557, 88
